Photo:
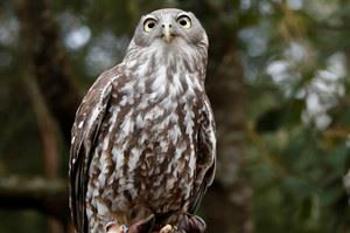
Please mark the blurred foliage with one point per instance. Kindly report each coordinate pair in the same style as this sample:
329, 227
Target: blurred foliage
296, 57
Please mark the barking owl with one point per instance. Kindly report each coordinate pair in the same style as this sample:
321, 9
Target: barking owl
143, 141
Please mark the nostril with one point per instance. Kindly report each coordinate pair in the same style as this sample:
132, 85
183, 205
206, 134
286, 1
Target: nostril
163, 25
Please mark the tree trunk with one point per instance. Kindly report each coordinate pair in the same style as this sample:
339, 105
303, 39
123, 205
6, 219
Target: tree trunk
49, 138
48, 79
227, 206
48, 61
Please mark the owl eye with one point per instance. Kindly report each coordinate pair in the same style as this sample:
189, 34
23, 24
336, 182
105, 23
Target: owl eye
149, 24
184, 21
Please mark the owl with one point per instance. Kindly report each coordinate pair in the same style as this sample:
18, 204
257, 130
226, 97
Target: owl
143, 142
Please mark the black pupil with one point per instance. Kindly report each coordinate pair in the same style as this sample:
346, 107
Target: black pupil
151, 25
183, 22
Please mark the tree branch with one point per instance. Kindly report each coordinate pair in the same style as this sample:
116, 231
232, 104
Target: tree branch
47, 196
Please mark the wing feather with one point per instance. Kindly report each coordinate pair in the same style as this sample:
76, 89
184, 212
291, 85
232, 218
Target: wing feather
206, 155
88, 120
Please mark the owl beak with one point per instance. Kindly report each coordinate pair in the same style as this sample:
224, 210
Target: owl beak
167, 33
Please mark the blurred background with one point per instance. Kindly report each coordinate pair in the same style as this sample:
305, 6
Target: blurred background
278, 80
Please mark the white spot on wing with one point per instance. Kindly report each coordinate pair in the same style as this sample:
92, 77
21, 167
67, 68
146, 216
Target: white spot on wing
134, 158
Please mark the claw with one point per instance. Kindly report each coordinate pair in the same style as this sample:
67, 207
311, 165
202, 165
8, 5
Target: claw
142, 226
115, 228
168, 229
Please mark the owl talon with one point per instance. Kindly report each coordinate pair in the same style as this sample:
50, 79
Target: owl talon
113, 227
168, 229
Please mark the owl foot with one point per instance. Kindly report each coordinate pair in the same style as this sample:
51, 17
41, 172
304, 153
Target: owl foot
192, 224
168, 229
142, 226
113, 227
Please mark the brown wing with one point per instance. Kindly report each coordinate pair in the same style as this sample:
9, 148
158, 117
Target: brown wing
206, 155
86, 127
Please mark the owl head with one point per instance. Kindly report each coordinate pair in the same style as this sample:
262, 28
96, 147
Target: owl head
170, 27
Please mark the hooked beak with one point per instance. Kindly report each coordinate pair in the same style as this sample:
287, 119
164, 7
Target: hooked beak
167, 33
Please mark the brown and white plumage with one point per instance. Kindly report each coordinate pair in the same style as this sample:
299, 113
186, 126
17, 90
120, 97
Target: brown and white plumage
143, 141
